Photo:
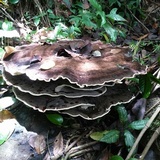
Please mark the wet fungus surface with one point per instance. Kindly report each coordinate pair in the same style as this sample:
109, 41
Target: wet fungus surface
77, 77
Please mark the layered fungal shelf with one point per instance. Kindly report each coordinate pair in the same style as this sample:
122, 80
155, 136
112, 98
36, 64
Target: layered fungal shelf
79, 78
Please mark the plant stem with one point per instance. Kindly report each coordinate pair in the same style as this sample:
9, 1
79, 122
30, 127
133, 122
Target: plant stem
142, 132
153, 138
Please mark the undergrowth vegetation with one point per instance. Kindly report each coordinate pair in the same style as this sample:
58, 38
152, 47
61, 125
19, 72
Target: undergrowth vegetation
69, 19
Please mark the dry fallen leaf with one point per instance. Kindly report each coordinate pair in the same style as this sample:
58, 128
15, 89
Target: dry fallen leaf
5, 114
58, 146
47, 65
38, 143
9, 50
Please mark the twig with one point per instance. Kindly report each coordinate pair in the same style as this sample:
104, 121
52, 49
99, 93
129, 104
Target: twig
50, 155
7, 15
156, 3
83, 146
79, 150
142, 132
138, 20
153, 138
68, 147
155, 105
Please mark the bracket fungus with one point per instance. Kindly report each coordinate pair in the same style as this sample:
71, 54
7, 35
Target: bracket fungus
76, 77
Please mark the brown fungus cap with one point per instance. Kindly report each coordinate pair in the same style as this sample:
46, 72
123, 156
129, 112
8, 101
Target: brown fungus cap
56, 88
88, 108
77, 77
79, 65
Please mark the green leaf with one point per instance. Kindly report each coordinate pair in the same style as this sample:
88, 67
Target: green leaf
6, 102
114, 16
13, 1
87, 20
75, 20
2, 52
138, 125
96, 5
6, 129
98, 135
129, 139
122, 112
37, 20
111, 2
7, 25
116, 157
67, 3
111, 136
103, 17
145, 85
55, 118
110, 31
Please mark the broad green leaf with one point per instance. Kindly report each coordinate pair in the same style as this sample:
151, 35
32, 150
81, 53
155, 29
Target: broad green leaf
145, 85
138, 125
103, 17
13, 1
75, 20
67, 3
2, 52
37, 20
96, 5
133, 159
116, 157
114, 16
7, 25
6, 129
86, 20
110, 31
111, 136
6, 102
98, 135
122, 112
129, 139
111, 2
55, 118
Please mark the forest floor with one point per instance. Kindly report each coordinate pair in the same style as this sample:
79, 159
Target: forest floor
33, 137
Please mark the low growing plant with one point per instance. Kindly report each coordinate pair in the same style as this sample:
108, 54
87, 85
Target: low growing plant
95, 18
113, 136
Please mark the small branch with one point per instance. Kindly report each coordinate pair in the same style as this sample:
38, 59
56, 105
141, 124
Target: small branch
75, 151
68, 147
138, 20
155, 105
7, 15
83, 146
142, 132
80, 152
153, 138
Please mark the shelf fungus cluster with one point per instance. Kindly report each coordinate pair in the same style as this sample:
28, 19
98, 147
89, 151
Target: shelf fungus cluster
77, 77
